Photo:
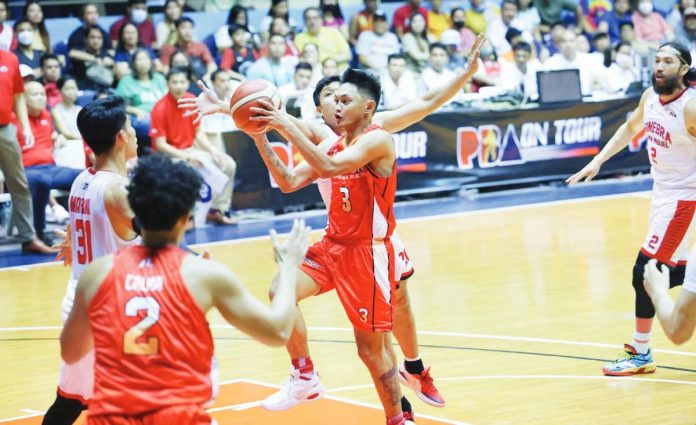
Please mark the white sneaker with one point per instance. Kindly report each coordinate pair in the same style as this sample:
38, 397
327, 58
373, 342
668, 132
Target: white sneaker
294, 392
61, 215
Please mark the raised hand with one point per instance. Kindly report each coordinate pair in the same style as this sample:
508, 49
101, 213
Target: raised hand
206, 103
292, 252
472, 62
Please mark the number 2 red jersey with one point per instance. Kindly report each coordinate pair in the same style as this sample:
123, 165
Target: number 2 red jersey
152, 343
362, 202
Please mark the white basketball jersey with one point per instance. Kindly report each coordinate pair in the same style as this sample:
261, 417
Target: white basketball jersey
671, 149
324, 185
92, 233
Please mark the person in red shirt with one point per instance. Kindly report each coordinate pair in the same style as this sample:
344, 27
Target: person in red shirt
37, 156
195, 50
12, 112
174, 134
50, 74
136, 12
143, 309
242, 54
402, 15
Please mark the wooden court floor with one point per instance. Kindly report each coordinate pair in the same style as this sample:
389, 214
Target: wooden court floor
517, 310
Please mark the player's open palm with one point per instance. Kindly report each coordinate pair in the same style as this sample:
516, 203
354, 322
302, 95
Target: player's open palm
655, 280
472, 60
293, 250
588, 172
205, 103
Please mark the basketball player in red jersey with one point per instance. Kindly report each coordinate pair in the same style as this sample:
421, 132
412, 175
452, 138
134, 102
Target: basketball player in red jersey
143, 309
667, 112
412, 372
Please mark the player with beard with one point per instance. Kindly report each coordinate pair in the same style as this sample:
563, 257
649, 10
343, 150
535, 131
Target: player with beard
667, 112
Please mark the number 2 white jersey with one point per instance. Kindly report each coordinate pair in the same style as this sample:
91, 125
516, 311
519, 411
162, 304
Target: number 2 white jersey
671, 149
92, 233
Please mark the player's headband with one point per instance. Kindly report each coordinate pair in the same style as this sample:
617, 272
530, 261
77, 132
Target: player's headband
672, 51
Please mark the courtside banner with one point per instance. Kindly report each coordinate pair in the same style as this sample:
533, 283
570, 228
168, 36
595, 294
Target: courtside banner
453, 149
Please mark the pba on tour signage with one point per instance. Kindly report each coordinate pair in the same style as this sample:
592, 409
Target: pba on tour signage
490, 145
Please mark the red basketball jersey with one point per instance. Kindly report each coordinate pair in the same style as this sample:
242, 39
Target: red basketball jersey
362, 202
153, 346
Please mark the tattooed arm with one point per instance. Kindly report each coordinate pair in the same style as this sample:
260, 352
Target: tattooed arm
288, 180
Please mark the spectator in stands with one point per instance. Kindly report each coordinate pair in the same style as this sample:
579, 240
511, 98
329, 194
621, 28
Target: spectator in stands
452, 40
278, 9
6, 33
416, 42
520, 75
330, 42
77, 39
622, 68
178, 137
439, 21
201, 59
166, 28
402, 16
611, 21
466, 36
215, 124
437, 72
553, 44
628, 35
479, 14
95, 69
310, 55
64, 114
362, 21
591, 72
686, 32
271, 67
649, 25
281, 26
25, 51
374, 47
498, 27
12, 87
489, 69
240, 55
333, 16
42, 172
50, 74
141, 90
27, 73
136, 13
398, 83
527, 19
181, 60
676, 16
297, 95
512, 37
33, 13
550, 12
582, 43
237, 17
329, 68
128, 43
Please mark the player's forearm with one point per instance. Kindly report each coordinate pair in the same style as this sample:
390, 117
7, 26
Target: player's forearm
280, 172
284, 301
619, 140
669, 319
317, 159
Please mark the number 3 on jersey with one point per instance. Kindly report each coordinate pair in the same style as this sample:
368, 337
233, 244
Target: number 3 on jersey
345, 205
83, 230
130, 338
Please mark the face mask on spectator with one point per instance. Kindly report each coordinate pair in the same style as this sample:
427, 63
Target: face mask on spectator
138, 16
25, 38
458, 24
645, 8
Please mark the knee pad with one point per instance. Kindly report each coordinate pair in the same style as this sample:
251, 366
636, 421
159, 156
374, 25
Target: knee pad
638, 270
643, 305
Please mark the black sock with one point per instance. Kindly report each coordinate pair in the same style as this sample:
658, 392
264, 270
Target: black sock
414, 367
405, 405
63, 411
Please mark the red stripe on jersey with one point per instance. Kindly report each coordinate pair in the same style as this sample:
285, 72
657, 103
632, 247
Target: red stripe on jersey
152, 343
676, 230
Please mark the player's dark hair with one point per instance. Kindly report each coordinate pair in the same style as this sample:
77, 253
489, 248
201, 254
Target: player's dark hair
320, 86
368, 84
100, 121
685, 58
161, 191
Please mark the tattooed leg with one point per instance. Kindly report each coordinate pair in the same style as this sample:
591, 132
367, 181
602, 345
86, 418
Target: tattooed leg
375, 354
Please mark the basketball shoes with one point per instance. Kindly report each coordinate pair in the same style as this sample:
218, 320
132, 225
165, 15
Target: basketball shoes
422, 384
630, 363
295, 390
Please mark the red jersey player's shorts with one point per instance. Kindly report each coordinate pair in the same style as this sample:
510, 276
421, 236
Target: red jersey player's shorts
190, 414
361, 273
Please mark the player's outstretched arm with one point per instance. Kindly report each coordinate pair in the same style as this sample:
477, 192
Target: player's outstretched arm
206, 103
678, 321
287, 180
618, 141
433, 99
271, 325
76, 338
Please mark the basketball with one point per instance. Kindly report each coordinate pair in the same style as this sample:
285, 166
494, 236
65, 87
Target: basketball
247, 96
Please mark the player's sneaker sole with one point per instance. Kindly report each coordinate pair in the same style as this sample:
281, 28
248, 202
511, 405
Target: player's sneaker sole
416, 387
646, 368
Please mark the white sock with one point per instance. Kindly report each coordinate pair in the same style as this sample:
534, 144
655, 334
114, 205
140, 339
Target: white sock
641, 342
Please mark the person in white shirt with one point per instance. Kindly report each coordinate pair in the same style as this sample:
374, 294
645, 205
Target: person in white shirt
520, 75
496, 29
6, 32
437, 72
215, 124
297, 95
591, 72
623, 70
375, 46
398, 83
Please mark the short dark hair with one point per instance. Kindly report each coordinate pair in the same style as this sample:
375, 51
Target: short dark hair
182, 20
303, 65
176, 71
100, 121
454, 10
47, 57
512, 33
438, 45
625, 23
320, 86
90, 28
215, 73
367, 83
159, 201
513, 2
599, 36
64, 79
19, 22
132, 2
522, 45
395, 56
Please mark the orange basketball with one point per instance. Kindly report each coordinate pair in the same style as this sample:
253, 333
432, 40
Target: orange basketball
247, 96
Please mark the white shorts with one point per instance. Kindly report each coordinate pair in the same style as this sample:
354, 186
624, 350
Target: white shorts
671, 221
403, 268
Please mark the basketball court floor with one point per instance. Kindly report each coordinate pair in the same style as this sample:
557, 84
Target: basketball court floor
519, 300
